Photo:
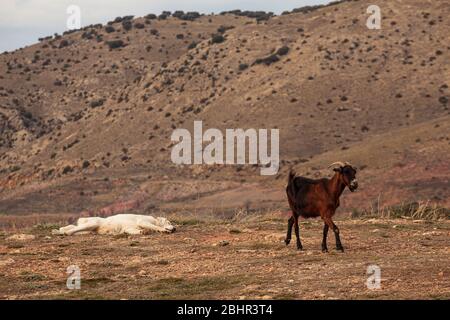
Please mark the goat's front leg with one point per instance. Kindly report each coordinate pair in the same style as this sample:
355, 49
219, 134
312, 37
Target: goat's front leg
335, 229
289, 230
338, 239
297, 233
324, 240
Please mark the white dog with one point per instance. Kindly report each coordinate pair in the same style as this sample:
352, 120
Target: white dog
132, 224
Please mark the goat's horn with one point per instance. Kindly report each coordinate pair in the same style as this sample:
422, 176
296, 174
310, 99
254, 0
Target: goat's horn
340, 163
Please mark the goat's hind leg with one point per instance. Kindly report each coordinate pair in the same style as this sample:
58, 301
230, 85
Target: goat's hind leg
297, 233
291, 219
289, 230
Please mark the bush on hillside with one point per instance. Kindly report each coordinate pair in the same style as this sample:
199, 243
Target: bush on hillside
283, 51
127, 25
217, 38
114, 44
109, 29
267, 60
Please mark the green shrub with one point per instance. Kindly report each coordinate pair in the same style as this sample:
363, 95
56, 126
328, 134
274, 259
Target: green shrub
267, 60
217, 38
114, 44
243, 66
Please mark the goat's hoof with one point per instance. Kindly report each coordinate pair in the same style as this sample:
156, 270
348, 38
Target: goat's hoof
341, 249
287, 241
299, 247
324, 250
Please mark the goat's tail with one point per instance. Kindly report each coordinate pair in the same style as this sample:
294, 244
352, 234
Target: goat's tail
291, 185
291, 175
290, 190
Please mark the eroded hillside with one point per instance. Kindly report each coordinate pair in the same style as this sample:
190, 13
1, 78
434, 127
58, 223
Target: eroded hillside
86, 118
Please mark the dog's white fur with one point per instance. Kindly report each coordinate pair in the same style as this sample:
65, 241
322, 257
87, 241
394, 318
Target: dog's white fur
132, 224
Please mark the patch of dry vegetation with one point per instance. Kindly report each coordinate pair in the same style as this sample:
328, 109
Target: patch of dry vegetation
37, 221
414, 210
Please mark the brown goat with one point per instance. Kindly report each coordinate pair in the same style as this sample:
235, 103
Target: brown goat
313, 198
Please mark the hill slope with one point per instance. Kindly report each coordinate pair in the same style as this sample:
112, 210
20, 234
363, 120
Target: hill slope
86, 119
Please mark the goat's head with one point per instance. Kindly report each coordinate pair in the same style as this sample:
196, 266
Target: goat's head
164, 223
347, 173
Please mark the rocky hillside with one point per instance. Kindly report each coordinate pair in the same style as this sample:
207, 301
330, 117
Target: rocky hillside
86, 117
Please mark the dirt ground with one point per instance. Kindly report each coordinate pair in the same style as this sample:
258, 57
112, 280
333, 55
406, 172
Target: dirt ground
217, 259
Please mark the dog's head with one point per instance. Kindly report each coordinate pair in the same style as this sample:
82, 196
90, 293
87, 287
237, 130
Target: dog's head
164, 223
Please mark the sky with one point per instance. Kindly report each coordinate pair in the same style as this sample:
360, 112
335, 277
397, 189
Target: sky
22, 22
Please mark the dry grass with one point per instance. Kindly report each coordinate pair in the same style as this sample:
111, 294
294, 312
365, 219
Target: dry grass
40, 221
414, 210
